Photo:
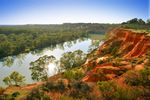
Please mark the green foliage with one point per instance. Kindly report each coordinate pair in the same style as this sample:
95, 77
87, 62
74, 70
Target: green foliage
127, 94
71, 60
147, 63
100, 72
55, 87
110, 91
70, 74
144, 77
39, 68
7, 81
135, 21
107, 89
100, 62
114, 51
137, 25
15, 94
140, 62
35, 94
138, 77
148, 57
117, 61
15, 78
17, 39
69, 98
47, 97
1, 88
80, 90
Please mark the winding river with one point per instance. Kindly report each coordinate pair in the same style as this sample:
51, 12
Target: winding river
21, 62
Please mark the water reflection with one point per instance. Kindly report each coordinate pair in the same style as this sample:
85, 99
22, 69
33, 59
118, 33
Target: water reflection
61, 46
20, 58
8, 61
21, 63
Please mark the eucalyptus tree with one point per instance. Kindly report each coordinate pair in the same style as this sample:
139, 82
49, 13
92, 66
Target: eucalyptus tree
71, 60
39, 68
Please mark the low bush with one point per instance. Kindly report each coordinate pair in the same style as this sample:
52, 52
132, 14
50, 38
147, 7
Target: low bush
51, 86
107, 89
140, 77
81, 90
70, 75
140, 62
69, 98
147, 63
127, 94
35, 94
15, 94
110, 90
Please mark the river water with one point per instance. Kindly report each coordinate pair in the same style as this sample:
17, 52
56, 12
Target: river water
20, 63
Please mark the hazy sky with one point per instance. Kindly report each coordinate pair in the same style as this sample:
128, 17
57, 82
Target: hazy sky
62, 11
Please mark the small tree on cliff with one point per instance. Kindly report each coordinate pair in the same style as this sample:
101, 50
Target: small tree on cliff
14, 78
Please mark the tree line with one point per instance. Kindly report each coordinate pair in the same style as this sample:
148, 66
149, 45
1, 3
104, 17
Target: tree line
17, 39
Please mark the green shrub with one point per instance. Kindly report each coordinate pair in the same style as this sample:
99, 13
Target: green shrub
61, 86
147, 63
132, 78
101, 62
69, 98
46, 97
110, 91
100, 72
107, 89
15, 94
128, 93
144, 77
35, 94
120, 94
117, 61
70, 75
1, 88
51, 86
81, 90
114, 51
48, 86
140, 62
140, 77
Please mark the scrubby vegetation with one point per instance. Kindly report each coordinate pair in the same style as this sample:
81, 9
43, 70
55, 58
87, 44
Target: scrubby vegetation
71, 74
111, 91
137, 78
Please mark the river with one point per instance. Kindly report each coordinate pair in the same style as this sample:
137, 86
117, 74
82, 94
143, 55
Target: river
21, 62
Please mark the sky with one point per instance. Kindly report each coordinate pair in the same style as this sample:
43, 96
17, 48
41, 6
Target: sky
18, 12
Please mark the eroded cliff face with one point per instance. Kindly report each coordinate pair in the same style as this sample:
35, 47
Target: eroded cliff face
130, 44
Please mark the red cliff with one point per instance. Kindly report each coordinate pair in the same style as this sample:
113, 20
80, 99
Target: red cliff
131, 44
